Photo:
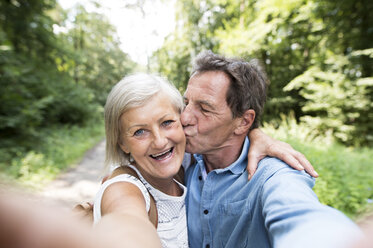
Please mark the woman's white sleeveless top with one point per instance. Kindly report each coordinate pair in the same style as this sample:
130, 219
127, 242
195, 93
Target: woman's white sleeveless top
172, 225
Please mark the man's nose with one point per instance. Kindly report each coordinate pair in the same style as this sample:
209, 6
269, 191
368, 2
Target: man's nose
187, 117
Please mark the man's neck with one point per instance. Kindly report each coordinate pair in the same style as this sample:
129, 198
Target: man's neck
225, 156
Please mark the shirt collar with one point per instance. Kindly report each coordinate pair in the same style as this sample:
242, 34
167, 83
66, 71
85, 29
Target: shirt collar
237, 167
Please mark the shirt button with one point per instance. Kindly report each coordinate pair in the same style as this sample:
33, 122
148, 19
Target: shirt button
207, 246
205, 211
200, 178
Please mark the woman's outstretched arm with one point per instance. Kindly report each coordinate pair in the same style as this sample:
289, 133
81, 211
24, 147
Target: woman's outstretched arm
28, 222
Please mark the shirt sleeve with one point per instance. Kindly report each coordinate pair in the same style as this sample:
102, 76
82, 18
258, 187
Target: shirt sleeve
294, 217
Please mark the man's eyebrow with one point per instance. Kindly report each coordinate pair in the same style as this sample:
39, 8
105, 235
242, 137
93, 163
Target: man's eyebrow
202, 102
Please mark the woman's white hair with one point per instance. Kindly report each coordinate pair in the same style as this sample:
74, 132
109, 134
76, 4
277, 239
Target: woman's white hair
132, 91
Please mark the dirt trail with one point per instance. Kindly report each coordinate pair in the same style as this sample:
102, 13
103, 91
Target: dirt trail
80, 183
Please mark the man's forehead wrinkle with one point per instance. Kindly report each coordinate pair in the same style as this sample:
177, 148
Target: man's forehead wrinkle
209, 91
205, 98
207, 88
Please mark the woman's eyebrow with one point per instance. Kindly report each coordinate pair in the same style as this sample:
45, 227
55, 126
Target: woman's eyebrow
136, 126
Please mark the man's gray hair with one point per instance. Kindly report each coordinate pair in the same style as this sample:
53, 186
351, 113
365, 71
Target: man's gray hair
248, 82
131, 92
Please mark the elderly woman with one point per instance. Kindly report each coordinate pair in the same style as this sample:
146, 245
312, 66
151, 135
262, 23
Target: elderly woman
144, 136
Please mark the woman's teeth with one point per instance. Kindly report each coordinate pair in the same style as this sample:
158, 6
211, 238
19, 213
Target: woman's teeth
162, 155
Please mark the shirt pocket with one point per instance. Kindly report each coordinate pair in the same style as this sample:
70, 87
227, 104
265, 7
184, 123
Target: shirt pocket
234, 219
241, 207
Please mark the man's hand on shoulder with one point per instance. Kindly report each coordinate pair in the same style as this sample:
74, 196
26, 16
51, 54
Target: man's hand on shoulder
262, 145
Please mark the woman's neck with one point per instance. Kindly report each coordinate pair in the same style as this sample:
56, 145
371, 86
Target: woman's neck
166, 185
169, 187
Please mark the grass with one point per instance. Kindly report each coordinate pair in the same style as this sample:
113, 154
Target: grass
59, 147
346, 173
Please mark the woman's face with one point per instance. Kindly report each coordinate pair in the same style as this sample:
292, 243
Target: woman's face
153, 134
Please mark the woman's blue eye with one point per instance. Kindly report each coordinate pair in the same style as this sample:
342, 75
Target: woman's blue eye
167, 123
139, 132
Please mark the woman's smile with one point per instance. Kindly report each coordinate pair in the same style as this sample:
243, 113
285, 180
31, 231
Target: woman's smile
163, 155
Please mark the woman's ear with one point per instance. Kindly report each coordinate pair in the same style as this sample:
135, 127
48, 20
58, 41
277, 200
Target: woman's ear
245, 122
123, 147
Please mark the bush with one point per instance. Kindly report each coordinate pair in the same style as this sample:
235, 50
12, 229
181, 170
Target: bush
337, 102
32, 99
73, 104
346, 173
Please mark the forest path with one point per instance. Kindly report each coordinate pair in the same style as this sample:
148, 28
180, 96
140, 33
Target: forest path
79, 183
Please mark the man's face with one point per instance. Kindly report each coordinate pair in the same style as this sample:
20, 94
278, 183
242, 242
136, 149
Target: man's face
207, 119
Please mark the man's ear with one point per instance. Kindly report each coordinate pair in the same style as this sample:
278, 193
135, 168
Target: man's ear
245, 122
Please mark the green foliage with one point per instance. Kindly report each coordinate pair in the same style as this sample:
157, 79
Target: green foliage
346, 174
51, 82
33, 98
96, 61
25, 27
167, 62
335, 102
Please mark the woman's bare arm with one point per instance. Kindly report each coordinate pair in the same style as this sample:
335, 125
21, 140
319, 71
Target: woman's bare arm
27, 222
124, 215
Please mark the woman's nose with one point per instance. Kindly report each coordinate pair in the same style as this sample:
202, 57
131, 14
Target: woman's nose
160, 140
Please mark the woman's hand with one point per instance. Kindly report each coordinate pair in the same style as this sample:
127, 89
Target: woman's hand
84, 212
262, 145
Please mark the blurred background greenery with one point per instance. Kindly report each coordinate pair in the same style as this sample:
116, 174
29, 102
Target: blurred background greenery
53, 85
318, 55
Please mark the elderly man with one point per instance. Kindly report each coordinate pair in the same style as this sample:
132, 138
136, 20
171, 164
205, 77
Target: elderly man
277, 207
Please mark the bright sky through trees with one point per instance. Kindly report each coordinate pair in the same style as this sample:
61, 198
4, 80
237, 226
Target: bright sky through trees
140, 33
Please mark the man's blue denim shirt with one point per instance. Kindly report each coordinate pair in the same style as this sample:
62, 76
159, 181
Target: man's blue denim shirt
276, 208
